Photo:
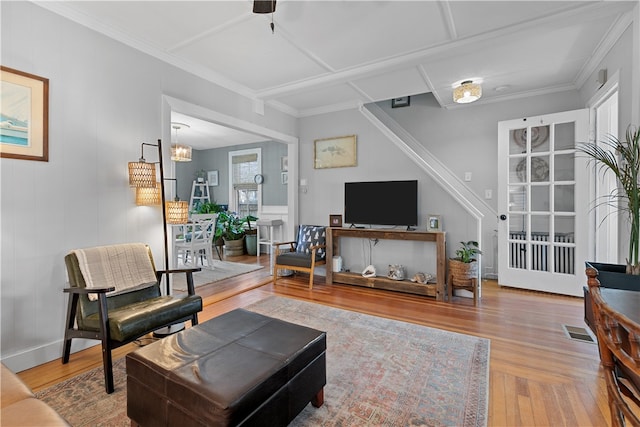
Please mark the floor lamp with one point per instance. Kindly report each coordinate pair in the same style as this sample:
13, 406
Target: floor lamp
142, 174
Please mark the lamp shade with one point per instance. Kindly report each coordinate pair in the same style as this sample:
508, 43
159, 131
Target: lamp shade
148, 196
180, 153
467, 92
142, 174
177, 212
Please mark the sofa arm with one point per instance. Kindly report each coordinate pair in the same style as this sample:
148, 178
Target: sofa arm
19, 407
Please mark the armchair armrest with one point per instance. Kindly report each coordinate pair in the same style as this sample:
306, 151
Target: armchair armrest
276, 246
88, 290
191, 289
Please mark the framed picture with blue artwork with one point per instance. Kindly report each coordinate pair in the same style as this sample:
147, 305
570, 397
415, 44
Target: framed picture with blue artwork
24, 125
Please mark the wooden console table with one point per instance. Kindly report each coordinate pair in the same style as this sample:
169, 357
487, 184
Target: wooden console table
333, 249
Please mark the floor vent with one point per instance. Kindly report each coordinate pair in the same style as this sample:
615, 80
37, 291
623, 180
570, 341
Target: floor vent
579, 334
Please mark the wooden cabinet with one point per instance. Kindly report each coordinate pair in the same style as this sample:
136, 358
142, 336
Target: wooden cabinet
438, 238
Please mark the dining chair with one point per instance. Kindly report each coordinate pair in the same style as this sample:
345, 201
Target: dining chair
195, 240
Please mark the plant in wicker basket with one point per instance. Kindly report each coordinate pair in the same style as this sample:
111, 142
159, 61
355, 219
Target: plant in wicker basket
464, 267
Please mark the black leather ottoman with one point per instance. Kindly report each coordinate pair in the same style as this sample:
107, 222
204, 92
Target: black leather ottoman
241, 368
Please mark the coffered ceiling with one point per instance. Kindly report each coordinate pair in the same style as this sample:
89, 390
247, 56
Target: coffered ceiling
331, 55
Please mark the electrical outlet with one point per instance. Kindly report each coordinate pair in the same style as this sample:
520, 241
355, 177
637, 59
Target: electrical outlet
467, 176
488, 194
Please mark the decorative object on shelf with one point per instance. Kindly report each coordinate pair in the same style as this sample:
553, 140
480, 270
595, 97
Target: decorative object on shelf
284, 164
338, 152
258, 179
212, 177
467, 92
180, 152
284, 178
422, 278
370, 271
539, 171
335, 220
396, 272
24, 131
403, 101
539, 134
434, 222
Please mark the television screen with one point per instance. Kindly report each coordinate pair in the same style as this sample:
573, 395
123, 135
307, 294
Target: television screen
381, 203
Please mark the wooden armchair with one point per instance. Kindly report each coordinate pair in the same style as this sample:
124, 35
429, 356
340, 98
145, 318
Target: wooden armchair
115, 297
619, 344
304, 253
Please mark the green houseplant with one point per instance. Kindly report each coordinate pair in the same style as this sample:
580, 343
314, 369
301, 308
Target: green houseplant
622, 158
231, 228
465, 266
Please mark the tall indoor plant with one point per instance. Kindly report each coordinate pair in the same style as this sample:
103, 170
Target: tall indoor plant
622, 158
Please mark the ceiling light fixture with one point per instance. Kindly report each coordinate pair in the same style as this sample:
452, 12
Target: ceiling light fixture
180, 152
265, 6
467, 92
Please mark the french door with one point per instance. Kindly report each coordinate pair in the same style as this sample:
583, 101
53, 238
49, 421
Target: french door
543, 202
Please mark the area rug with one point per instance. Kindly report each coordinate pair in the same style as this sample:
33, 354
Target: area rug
380, 372
221, 270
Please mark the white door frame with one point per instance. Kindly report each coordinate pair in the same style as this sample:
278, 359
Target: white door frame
603, 218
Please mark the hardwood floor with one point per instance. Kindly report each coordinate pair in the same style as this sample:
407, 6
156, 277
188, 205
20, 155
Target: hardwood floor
538, 376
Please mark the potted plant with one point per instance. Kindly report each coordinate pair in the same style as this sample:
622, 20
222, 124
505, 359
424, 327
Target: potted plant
465, 266
208, 207
231, 228
622, 158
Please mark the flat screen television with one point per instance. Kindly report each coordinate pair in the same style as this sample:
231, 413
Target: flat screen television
381, 203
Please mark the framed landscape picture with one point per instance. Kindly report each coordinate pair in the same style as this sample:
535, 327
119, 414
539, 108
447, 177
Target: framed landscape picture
338, 152
24, 125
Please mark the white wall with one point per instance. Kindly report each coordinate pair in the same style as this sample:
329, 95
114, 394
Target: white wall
620, 59
105, 99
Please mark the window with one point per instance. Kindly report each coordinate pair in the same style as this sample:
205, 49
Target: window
244, 166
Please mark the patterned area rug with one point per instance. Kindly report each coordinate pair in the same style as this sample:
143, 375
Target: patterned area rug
221, 270
380, 372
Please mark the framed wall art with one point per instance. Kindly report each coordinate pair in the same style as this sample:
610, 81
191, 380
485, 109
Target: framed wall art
434, 222
338, 152
212, 178
335, 220
24, 130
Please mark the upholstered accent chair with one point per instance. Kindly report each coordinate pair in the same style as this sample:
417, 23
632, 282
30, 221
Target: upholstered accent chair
304, 254
115, 297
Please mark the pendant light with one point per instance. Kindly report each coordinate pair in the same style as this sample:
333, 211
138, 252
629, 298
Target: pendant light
180, 152
467, 92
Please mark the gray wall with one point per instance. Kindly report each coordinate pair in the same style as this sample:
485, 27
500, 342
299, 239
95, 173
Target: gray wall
104, 100
465, 139
274, 193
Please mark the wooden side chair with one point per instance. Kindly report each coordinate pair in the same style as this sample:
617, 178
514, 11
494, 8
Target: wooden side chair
304, 254
115, 298
619, 344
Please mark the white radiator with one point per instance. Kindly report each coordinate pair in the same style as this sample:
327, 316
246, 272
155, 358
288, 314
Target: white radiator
564, 258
